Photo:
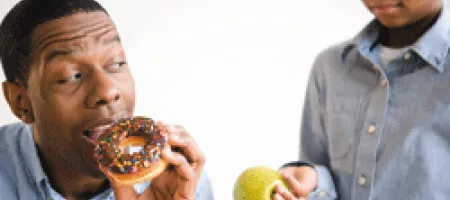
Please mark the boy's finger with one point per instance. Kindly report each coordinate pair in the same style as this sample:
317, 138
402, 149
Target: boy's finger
295, 186
277, 196
284, 193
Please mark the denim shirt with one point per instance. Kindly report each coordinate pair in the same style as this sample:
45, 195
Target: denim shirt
22, 176
374, 133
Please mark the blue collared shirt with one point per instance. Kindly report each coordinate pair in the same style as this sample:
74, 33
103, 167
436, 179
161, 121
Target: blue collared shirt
374, 133
22, 176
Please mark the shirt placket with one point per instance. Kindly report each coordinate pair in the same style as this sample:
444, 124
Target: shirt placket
365, 161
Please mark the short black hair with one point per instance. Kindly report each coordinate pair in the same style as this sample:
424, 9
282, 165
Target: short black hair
18, 25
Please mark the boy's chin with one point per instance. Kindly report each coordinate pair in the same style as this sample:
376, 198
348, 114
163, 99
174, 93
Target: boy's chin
393, 23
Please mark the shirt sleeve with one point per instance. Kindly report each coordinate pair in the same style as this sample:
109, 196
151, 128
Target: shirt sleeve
313, 148
204, 188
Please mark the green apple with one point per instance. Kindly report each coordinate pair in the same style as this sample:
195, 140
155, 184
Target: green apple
257, 183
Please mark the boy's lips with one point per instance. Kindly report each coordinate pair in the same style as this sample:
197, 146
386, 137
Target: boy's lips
387, 8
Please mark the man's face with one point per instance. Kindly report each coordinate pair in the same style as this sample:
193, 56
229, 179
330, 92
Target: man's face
79, 81
398, 13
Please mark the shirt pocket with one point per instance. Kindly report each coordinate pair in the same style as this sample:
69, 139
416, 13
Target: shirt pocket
342, 124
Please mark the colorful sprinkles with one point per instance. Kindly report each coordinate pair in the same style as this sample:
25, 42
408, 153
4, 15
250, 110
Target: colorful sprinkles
110, 155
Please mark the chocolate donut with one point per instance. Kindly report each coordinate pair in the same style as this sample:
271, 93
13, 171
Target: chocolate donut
130, 168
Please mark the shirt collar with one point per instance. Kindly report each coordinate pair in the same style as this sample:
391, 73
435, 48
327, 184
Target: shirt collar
432, 47
29, 151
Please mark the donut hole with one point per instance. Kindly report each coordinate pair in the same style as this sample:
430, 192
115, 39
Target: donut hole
130, 149
132, 145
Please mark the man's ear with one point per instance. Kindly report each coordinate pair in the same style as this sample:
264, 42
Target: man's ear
18, 100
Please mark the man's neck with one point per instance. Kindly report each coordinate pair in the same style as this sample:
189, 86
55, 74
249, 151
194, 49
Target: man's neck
407, 35
66, 180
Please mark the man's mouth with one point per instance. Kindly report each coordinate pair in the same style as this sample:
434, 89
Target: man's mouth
93, 134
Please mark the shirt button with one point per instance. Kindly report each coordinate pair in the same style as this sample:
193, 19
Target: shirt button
375, 68
383, 83
322, 194
407, 56
372, 129
362, 180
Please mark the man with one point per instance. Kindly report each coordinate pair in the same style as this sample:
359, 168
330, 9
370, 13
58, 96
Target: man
377, 111
67, 75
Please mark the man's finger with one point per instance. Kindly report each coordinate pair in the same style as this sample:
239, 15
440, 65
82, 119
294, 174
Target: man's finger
188, 176
121, 192
192, 164
182, 167
179, 138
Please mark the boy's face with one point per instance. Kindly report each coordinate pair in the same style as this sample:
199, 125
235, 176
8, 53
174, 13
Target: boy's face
79, 81
398, 13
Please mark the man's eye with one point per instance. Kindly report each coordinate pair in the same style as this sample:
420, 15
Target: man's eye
118, 65
75, 77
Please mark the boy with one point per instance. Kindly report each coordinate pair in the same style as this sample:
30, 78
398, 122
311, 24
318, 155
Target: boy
67, 74
377, 111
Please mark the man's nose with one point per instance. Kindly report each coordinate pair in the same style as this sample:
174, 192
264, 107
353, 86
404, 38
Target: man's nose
104, 90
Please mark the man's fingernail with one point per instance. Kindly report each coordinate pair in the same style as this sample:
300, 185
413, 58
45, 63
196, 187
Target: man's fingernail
176, 137
179, 139
169, 128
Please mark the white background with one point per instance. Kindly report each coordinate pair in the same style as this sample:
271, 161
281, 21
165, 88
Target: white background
233, 72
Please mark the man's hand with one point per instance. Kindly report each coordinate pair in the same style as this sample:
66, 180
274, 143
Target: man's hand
300, 180
175, 183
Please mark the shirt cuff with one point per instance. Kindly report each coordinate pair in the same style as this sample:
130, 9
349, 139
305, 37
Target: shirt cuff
325, 189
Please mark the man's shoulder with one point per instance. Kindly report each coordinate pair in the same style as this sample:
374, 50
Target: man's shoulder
9, 147
10, 134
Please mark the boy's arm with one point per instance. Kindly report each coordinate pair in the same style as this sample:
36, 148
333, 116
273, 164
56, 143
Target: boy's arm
313, 148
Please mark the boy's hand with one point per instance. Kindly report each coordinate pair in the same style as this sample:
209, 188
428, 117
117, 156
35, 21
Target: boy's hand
178, 183
301, 181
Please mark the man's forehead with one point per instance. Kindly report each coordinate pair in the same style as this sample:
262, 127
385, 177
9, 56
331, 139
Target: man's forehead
80, 23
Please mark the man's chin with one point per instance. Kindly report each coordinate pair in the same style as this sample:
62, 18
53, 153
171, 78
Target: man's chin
93, 171
98, 174
89, 167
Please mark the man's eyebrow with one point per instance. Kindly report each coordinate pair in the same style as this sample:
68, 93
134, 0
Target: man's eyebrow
58, 52
64, 52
